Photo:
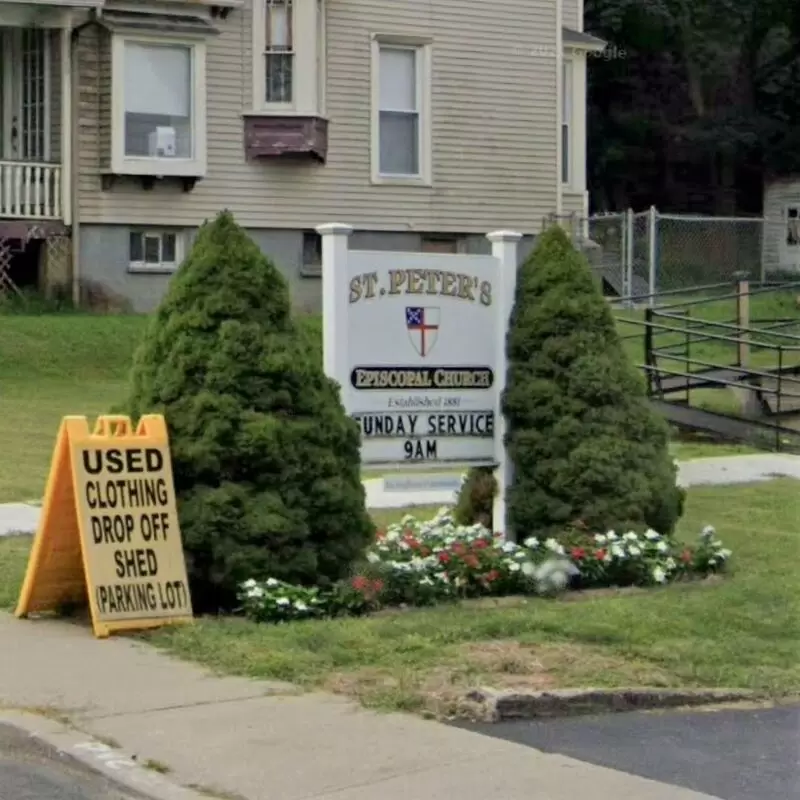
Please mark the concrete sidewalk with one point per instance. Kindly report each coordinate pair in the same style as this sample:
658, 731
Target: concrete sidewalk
262, 741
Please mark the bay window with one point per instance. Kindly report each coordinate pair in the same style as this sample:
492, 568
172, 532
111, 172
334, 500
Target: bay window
158, 107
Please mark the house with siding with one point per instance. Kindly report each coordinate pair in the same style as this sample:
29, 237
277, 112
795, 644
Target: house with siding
780, 240
421, 123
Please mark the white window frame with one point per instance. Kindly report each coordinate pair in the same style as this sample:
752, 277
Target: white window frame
567, 112
308, 69
161, 266
792, 247
122, 164
424, 51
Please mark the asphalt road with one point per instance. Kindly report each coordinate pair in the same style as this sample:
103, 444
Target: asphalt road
730, 754
32, 771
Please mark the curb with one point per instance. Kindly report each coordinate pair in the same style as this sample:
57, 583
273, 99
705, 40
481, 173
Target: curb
113, 764
488, 705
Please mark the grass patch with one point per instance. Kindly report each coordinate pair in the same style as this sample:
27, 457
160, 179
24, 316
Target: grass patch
740, 631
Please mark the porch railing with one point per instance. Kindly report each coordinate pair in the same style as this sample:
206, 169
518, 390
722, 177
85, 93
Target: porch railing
29, 190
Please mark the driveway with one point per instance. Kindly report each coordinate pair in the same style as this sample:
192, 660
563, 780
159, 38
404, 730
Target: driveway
730, 754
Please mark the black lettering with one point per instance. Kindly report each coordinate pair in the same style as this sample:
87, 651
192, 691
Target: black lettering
91, 494
114, 462
154, 459
162, 494
97, 529
102, 599
94, 467
133, 461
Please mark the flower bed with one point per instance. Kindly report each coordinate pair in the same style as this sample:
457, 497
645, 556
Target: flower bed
420, 563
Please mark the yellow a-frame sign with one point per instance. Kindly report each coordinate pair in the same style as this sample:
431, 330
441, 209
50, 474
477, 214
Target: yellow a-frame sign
109, 529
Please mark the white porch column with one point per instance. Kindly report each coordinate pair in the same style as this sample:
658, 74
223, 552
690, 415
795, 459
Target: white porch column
66, 120
504, 249
334, 301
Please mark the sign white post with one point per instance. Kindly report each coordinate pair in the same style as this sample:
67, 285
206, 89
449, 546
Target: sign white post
416, 342
334, 303
504, 249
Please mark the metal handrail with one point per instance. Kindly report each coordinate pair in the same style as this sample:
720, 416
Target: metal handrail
746, 372
730, 326
722, 381
731, 339
736, 294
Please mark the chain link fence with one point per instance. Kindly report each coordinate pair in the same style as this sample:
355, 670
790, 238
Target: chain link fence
641, 255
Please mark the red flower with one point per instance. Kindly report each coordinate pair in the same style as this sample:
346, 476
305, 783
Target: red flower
377, 586
578, 553
360, 583
443, 558
686, 556
493, 575
471, 561
381, 534
600, 554
480, 544
459, 549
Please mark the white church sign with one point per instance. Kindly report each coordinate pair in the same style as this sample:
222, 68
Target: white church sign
417, 343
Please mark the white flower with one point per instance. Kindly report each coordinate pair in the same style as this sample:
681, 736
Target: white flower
600, 538
630, 536
255, 592
282, 601
531, 542
617, 551
725, 553
554, 547
662, 547
508, 547
670, 563
611, 536
712, 562
373, 557
514, 567
652, 535
300, 605
249, 584
271, 583
659, 575
708, 532
528, 569
634, 550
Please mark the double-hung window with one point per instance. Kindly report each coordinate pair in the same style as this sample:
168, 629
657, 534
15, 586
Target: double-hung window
567, 99
158, 107
401, 117
793, 227
279, 56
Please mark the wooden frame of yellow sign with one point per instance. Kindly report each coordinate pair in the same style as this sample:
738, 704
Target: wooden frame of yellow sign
109, 529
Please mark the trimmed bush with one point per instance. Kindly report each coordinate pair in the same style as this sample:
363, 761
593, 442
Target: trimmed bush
266, 462
585, 444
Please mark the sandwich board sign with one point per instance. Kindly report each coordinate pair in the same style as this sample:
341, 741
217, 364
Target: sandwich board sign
109, 532
416, 342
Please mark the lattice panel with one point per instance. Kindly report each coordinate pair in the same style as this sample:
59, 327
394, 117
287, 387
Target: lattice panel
7, 286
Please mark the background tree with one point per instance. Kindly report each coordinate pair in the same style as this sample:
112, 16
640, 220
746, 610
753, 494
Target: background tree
266, 462
701, 106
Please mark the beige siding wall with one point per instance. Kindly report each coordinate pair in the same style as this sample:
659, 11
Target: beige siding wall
572, 203
494, 127
777, 196
572, 14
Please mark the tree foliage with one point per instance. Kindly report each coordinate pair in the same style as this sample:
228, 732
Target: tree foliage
266, 462
583, 440
696, 103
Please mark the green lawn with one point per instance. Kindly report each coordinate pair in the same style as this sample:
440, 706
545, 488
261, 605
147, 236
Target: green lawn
57, 364
739, 631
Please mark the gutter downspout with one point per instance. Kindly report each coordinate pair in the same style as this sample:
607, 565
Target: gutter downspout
74, 156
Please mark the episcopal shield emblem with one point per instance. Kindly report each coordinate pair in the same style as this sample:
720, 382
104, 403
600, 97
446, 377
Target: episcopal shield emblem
422, 324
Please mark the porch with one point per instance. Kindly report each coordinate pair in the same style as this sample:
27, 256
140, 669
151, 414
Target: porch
35, 88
